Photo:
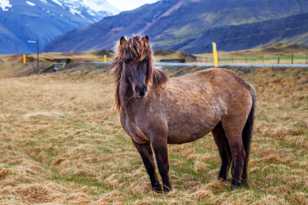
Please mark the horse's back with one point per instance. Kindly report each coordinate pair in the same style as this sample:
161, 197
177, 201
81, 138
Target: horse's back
217, 75
197, 102
219, 78
236, 93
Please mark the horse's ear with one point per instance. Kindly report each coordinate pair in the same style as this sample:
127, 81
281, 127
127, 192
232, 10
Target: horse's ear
159, 78
146, 39
123, 41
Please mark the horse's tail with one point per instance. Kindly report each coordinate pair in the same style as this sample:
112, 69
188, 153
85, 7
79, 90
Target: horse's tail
247, 131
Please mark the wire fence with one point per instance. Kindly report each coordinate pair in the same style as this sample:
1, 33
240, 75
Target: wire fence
268, 59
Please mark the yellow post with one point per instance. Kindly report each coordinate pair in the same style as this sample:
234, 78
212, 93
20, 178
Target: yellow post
105, 59
24, 59
215, 55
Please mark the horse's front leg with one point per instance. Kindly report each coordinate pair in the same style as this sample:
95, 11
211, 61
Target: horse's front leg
146, 154
161, 153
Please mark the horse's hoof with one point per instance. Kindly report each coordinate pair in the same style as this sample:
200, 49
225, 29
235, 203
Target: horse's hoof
157, 189
167, 189
235, 185
245, 184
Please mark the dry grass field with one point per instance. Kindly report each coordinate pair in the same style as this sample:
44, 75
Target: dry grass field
61, 143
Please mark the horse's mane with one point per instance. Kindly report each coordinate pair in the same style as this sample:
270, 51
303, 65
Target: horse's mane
135, 49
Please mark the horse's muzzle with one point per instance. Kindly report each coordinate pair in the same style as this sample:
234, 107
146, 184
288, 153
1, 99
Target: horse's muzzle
141, 91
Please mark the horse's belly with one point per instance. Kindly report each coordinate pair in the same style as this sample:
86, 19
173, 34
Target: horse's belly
186, 137
184, 130
192, 122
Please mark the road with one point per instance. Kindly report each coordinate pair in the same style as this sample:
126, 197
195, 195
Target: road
208, 65
233, 65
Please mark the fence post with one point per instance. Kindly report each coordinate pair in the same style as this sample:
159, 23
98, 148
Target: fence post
24, 59
292, 59
215, 54
306, 61
278, 60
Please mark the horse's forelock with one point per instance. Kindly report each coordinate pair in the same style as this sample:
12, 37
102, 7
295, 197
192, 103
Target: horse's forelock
135, 49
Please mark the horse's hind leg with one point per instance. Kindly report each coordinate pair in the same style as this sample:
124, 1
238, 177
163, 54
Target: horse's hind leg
146, 154
233, 133
224, 151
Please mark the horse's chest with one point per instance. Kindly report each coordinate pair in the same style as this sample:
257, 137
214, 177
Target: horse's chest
132, 129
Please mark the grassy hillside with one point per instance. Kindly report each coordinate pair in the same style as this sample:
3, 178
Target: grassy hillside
61, 143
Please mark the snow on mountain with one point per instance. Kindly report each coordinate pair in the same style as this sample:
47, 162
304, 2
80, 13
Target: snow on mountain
99, 5
84, 8
30, 3
45, 20
5, 5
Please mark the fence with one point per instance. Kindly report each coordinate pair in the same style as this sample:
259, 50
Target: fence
268, 59
228, 59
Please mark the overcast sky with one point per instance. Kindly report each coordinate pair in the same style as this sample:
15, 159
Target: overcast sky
129, 4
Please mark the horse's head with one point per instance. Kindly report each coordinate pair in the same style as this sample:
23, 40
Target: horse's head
133, 66
136, 63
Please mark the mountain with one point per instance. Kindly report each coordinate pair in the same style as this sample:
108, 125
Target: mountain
44, 20
180, 24
244, 36
93, 10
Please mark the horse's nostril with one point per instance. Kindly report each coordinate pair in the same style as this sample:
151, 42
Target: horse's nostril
143, 91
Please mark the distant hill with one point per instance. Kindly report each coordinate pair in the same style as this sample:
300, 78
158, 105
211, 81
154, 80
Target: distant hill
289, 30
190, 25
23, 20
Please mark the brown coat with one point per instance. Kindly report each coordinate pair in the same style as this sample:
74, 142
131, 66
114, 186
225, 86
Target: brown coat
187, 108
